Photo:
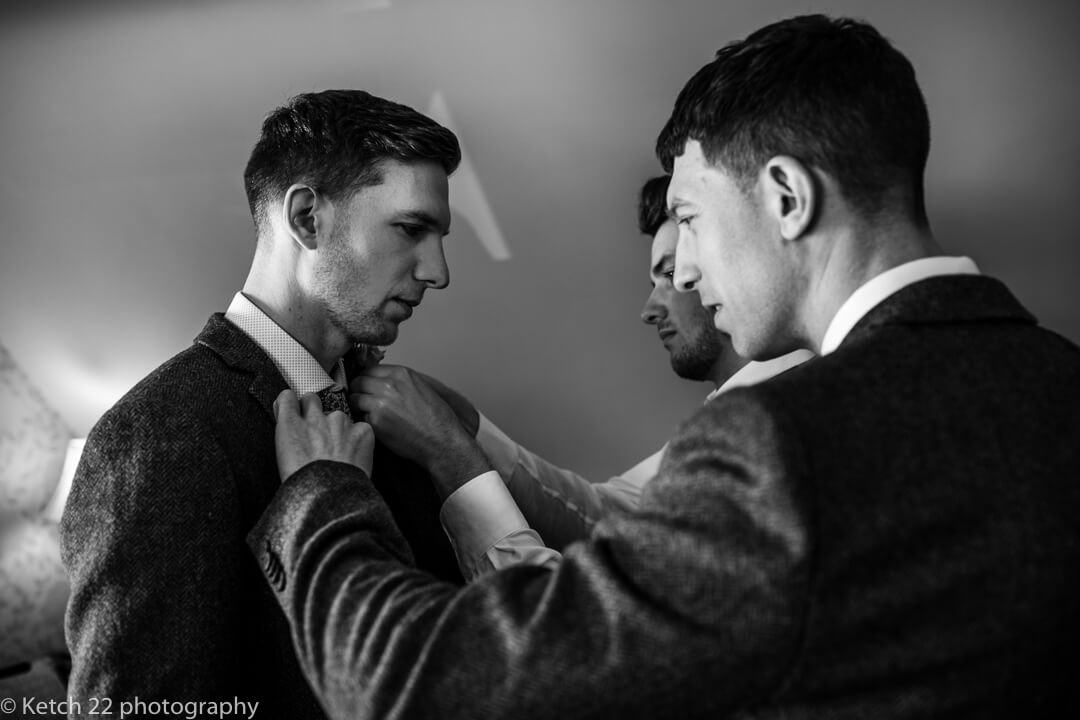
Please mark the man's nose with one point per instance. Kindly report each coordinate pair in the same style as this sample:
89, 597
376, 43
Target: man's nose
431, 267
654, 311
686, 275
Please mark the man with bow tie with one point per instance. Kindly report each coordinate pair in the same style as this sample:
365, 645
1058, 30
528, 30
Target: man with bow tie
349, 197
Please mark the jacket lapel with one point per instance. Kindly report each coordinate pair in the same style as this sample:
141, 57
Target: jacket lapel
244, 355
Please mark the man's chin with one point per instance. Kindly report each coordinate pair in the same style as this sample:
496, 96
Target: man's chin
384, 336
690, 374
690, 369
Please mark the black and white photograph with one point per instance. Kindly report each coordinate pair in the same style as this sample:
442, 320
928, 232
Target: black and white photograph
539, 359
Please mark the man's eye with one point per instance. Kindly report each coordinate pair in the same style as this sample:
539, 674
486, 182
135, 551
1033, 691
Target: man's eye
413, 231
669, 274
685, 220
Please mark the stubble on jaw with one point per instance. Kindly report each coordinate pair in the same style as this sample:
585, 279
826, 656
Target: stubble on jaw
696, 359
339, 275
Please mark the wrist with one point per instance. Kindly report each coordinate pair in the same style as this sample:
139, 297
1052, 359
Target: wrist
450, 470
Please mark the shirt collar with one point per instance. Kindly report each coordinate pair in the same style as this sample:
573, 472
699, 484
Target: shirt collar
754, 372
300, 369
867, 297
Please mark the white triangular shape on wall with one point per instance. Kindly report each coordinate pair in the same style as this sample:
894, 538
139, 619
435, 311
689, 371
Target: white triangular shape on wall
466, 194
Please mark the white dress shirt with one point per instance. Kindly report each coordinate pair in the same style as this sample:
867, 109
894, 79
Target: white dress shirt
301, 370
487, 527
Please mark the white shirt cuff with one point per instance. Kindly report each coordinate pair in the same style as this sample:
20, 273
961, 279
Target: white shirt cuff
488, 531
480, 512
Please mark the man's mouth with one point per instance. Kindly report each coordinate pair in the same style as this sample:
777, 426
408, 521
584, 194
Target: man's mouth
666, 333
406, 304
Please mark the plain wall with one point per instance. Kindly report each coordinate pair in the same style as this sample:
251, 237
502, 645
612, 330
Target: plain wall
125, 128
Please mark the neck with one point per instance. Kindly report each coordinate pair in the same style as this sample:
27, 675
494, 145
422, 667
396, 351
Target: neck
727, 365
852, 257
272, 286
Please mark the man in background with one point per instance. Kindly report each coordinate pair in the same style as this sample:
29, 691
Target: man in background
510, 515
887, 531
348, 193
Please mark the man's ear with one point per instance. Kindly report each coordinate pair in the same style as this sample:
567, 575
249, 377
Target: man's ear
791, 194
300, 215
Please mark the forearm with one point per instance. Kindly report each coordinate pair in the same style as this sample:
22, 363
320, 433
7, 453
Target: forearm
454, 463
377, 639
558, 503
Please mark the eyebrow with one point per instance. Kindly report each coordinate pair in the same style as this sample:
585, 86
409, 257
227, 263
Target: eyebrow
658, 266
424, 218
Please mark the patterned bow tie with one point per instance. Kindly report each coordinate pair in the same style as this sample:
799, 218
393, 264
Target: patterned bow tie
334, 398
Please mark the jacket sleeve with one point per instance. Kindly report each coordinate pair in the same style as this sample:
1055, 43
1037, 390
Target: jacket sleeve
149, 537
694, 602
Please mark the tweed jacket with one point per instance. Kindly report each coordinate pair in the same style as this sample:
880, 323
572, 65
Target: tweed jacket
888, 531
167, 603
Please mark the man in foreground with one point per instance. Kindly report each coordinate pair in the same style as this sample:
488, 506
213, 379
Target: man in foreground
888, 531
349, 197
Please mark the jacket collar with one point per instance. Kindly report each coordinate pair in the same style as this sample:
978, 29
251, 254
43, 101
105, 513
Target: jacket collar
945, 299
243, 354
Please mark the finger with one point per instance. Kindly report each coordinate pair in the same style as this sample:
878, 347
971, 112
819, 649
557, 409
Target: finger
372, 385
310, 404
361, 431
287, 403
338, 417
427, 379
364, 446
366, 403
376, 353
355, 399
382, 371
365, 381
366, 355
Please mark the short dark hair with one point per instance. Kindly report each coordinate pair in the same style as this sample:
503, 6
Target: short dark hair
334, 141
652, 210
832, 93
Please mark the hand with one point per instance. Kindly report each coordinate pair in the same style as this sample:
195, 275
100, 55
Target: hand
361, 357
412, 420
305, 434
466, 412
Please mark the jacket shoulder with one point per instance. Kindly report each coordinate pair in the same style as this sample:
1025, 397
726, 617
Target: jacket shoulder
193, 385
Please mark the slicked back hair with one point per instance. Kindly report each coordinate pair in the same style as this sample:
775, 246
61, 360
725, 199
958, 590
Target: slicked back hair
652, 205
334, 141
832, 93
